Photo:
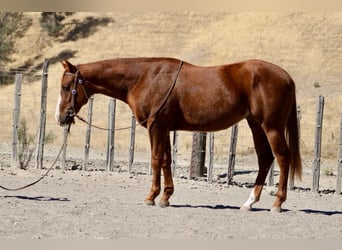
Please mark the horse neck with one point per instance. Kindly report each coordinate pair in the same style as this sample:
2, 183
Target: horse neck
114, 78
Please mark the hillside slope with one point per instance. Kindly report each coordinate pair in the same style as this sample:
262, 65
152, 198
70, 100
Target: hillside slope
307, 45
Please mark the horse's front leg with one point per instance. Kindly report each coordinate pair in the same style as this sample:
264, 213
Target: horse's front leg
168, 182
160, 158
155, 188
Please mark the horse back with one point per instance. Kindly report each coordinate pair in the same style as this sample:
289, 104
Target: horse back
214, 98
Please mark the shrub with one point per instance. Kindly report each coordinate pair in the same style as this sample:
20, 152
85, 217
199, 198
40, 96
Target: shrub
12, 25
25, 148
52, 22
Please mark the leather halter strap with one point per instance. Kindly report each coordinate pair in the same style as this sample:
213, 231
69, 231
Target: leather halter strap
80, 81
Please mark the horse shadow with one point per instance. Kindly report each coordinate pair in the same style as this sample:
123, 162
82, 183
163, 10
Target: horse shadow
217, 207
327, 213
228, 207
35, 198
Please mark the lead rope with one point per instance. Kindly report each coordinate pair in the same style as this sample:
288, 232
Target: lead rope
98, 127
47, 172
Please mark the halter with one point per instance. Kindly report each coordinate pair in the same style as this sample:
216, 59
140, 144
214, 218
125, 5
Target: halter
80, 81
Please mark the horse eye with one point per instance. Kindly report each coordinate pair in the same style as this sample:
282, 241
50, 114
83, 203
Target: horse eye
66, 88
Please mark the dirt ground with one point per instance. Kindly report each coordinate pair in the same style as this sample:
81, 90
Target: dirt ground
95, 204
75, 204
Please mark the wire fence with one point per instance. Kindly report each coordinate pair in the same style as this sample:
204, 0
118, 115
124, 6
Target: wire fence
30, 111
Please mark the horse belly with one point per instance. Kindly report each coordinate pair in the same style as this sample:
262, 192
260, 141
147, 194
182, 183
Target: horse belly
210, 118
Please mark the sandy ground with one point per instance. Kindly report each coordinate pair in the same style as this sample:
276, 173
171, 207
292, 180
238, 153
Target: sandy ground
77, 204
74, 204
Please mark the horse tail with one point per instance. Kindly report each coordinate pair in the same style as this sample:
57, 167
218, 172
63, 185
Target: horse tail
292, 137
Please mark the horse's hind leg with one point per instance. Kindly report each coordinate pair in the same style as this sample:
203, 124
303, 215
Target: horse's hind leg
282, 153
265, 159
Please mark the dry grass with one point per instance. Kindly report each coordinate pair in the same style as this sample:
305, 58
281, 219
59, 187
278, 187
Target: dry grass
308, 45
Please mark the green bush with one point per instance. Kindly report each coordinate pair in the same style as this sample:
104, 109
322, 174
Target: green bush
12, 25
52, 22
25, 148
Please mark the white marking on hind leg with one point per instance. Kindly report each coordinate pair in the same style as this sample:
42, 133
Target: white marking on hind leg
57, 113
247, 206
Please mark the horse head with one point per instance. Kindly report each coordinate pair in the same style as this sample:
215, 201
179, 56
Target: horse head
73, 94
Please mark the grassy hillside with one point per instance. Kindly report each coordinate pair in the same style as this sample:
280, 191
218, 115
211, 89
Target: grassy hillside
307, 45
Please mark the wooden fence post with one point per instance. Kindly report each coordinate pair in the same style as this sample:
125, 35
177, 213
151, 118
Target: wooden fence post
65, 134
16, 117
88, 133
339, 163
270, 177
299, 118
317, 148
198, 154
174, 152
42, 119
232, 153
111, 134
149, 169
211, 157
132, 144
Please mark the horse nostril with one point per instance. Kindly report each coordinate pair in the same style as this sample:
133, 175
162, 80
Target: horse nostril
69, 117
69, 112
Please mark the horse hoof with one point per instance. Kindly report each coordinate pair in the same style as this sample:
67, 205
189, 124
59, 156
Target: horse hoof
164, 204
244, 208
149, 203
276, 210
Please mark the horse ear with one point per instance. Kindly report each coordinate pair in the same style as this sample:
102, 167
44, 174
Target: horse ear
68, 66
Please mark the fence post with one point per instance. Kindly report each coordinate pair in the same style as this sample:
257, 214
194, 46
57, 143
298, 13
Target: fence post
42, 120
198, 154
132, 143
232, 153
88, 133
270, 177
174, 153
339, 163
211, 157
317, 148
299, 117
149, 169
16, 116
65, 134
111, 133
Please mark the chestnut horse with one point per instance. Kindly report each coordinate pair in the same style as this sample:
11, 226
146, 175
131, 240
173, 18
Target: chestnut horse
167, 94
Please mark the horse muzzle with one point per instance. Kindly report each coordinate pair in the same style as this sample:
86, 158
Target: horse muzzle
66, 119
